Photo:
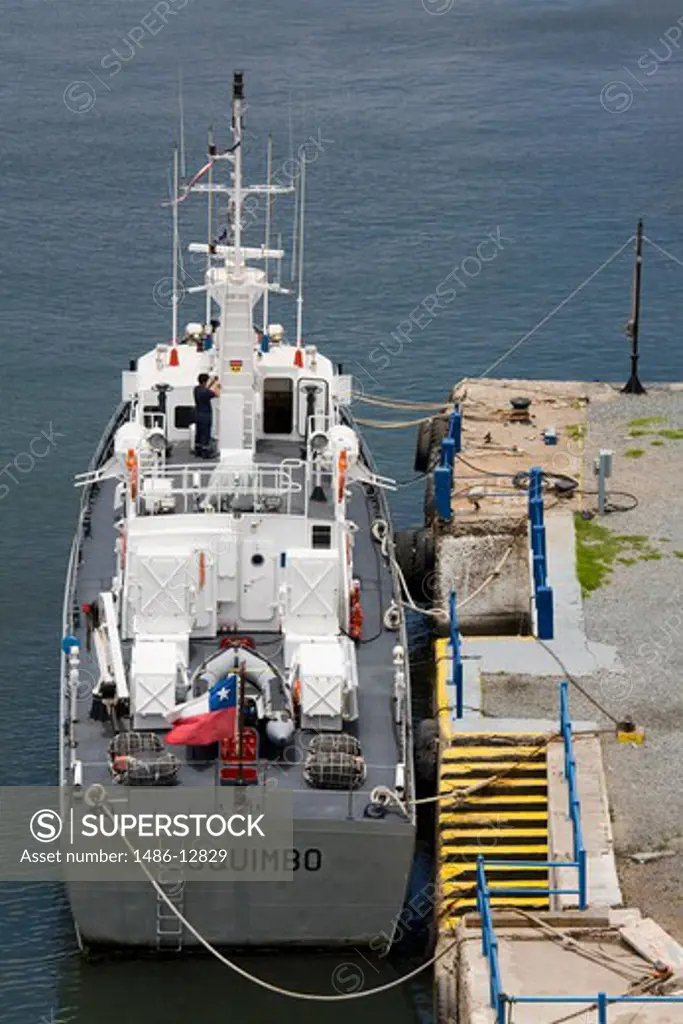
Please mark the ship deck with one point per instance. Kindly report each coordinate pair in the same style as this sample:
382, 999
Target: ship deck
375, 728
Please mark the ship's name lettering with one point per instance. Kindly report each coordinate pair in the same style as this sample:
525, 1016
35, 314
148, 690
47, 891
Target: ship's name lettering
255, 860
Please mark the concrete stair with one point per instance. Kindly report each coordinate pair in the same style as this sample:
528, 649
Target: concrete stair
505, 820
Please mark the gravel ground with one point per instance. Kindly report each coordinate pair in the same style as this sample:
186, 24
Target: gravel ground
639, 611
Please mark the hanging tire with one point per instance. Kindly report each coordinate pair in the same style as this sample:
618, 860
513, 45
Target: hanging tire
429, 500
415, 556
429, 437
427, 754
424, 562
404, 549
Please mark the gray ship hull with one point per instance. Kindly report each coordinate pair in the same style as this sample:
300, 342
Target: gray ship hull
345, 892
355, 888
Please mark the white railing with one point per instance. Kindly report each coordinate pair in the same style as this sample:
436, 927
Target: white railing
223, 488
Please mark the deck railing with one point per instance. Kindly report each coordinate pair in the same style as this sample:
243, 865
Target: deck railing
270, 487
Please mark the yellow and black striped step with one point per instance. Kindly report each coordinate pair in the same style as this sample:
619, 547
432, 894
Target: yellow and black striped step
506, 820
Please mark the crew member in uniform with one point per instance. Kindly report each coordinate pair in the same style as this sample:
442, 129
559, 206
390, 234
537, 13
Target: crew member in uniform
204, 393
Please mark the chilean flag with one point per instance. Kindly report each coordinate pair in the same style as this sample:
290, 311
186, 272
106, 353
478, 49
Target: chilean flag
209, 718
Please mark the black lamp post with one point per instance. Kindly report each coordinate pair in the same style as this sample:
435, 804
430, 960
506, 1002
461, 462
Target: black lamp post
633, 385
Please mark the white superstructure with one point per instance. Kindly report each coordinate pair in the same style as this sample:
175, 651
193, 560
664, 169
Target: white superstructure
256, 538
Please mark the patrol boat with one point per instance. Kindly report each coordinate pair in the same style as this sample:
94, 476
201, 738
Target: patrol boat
274, 550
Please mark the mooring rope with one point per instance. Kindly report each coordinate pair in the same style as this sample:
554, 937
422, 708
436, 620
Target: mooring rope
247, 975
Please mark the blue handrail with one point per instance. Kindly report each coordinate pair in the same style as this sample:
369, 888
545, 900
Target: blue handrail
573, 794
543, 593
489, 943
499, 999
456, 654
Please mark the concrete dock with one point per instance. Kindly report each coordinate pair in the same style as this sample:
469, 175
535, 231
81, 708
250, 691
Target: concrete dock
509, 808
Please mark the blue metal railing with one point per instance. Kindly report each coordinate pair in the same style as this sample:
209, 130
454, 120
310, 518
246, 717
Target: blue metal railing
499, 999
443, 474
543, 593
489, 943
456, 654
579, 852
573, 795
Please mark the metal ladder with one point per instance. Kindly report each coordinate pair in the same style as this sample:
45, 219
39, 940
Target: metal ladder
248, 424
170, 878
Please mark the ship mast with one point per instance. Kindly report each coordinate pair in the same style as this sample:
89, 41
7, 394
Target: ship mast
236, 287
237, 98
269, 211
176, 249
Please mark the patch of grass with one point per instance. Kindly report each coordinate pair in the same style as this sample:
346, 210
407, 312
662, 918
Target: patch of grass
671, 435
634, 453
656, 444
597, 549
575, 431
638, 433
636, 540
678, 554
645, 421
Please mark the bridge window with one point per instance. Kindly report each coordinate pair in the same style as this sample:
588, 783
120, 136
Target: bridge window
278, 405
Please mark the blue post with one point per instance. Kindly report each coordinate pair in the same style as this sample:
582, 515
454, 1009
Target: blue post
457, 679
602, 1008
447, 452
493, 988
544, 612
576, 817
481, 903
539, 572
583, 894
538, 541
456, 657
443, 477
536, 511
455, 429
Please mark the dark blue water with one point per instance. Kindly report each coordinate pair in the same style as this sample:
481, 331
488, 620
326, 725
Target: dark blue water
437, 130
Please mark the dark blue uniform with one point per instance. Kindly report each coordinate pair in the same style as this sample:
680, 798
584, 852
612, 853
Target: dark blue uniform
202, 404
